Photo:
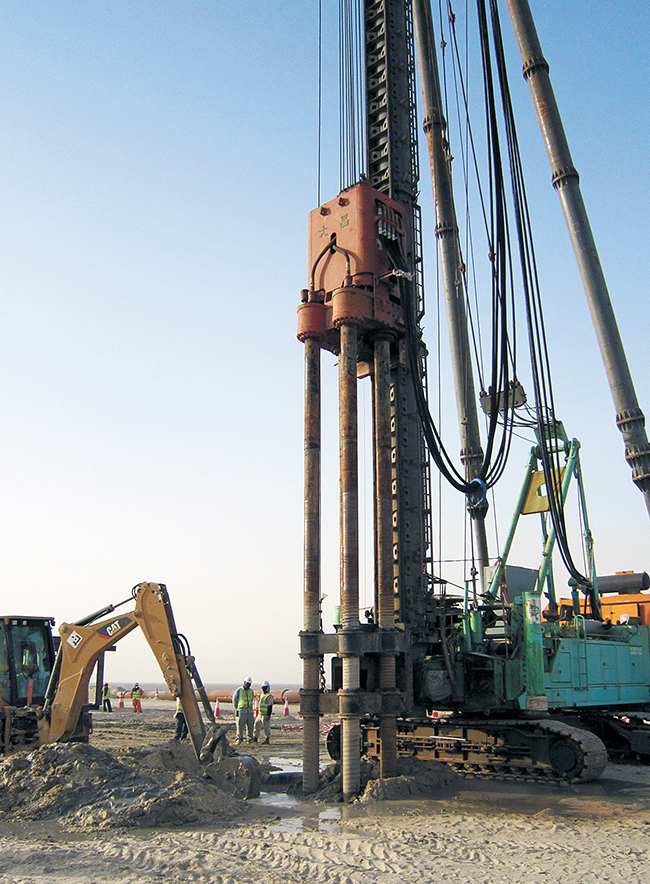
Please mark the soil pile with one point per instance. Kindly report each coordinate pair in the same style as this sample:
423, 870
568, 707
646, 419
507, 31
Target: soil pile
241, 776
86, 787
415, 779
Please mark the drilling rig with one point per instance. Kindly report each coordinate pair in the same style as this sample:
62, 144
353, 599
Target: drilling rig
496, 681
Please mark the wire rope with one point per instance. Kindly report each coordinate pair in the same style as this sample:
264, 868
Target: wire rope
548, 448
351, 93
496, 217
320, 97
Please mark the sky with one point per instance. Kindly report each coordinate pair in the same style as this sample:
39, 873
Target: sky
159, 161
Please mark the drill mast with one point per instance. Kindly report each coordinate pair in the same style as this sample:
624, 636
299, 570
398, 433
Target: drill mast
365, 303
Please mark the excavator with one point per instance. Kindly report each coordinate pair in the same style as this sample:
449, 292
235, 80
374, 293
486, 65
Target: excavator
509, 678
44, 692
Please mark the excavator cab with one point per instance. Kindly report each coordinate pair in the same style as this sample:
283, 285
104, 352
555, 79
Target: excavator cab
26, 659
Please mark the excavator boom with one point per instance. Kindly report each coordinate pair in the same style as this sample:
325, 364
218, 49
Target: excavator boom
63, 716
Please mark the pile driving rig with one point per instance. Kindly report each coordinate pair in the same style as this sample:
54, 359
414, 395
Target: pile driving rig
498, 681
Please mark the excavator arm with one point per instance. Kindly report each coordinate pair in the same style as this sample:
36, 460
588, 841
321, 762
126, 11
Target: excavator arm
62, 717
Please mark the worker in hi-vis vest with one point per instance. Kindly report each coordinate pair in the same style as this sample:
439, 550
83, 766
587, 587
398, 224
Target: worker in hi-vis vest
106, 699
136, 696
242, 702
265, 708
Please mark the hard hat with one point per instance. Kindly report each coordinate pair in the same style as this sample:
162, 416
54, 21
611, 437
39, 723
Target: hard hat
265, 684
248, 681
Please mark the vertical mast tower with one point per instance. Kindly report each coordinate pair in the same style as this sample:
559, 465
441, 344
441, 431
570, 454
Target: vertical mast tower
363, 244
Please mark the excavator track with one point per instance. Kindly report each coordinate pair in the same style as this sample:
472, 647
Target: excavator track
539, 749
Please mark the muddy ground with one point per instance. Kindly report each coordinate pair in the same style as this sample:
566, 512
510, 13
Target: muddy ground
156, 725
484, 832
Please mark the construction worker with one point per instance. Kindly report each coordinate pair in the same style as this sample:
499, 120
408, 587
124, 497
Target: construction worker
265, 707
136, 695
106, 698
181, 722
242, 702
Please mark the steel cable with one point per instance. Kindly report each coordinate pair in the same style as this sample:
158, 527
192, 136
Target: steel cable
540, 362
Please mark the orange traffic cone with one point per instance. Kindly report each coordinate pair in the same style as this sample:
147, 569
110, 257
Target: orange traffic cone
286, 708
217, 711
156, 693
120, 705
256, 709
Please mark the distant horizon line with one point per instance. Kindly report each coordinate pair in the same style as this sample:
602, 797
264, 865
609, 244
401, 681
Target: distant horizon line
209, 686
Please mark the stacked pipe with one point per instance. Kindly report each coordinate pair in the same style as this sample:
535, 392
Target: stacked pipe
311, 599
349, 516
351, 308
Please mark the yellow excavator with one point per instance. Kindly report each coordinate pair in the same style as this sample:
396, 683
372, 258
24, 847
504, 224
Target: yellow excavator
44, 692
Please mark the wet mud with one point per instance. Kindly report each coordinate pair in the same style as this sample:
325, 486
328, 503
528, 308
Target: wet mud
471, 830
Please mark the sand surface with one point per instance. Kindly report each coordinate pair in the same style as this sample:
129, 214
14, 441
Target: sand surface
479, 831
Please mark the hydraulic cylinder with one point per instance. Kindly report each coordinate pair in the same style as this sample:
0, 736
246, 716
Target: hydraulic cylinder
629, 417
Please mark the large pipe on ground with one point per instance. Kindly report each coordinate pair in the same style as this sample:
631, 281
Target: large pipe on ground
566, 181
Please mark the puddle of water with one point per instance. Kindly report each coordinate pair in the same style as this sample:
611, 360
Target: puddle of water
324, 821
275, 799
296, 815
621, 791
287, 765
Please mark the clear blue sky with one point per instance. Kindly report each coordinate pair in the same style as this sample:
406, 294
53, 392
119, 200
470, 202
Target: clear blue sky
158, 161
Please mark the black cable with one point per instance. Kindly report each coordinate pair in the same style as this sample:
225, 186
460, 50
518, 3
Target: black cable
433, 439
503, 359
502, 371
549, 454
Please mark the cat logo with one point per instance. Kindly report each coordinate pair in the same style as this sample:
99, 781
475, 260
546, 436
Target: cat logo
111, 629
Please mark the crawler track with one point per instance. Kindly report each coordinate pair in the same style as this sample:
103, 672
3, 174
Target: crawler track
540, 749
